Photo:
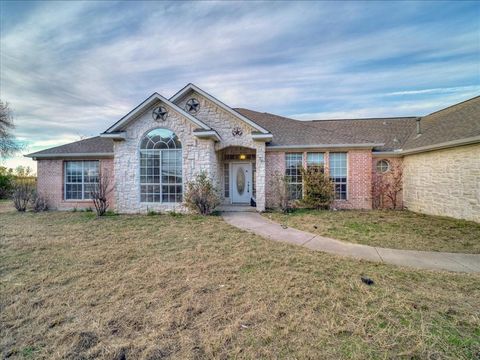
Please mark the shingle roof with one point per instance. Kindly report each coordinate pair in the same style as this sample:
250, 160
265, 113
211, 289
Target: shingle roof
392, 132
456, 122
459, 121
93, 145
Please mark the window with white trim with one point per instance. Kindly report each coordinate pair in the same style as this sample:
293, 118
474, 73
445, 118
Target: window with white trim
81, 177
293, 166
338, 174
161, 167
315, 159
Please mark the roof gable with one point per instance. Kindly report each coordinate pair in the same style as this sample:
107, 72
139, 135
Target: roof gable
192, 87
145, 105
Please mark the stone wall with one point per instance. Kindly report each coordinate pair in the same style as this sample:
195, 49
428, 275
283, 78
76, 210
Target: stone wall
197, 155
444, 182
50, 184
224, 122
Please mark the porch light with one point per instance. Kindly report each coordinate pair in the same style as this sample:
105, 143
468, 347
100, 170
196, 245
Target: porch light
243, 156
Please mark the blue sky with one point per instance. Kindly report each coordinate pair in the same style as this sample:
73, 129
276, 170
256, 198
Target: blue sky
70, 69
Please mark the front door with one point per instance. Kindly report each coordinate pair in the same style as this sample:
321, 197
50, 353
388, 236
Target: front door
241, 175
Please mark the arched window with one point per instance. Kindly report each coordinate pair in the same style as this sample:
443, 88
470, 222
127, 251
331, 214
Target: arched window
161, 167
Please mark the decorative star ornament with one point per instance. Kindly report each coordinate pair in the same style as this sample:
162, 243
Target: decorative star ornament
159, 114
192, 106
237, 131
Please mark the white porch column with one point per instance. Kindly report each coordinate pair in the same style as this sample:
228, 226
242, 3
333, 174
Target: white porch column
260, 177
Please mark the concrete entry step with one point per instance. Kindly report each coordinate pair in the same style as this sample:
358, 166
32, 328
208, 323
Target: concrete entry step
236, 208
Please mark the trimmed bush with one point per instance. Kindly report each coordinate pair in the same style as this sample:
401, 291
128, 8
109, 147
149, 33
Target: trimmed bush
318, 189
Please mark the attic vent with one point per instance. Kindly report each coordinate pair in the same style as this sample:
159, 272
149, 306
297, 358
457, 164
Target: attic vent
192, 106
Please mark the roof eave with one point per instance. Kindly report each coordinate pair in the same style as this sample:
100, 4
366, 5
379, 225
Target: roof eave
324, 146
444, 145
262, 137
35, 156
115, 135
207, 134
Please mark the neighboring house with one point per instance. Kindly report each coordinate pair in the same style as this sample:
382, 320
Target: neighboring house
162, 143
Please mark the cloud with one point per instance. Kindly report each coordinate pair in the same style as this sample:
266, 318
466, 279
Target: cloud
71, 69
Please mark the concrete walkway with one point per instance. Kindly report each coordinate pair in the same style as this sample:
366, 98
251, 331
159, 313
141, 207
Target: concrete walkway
262, 226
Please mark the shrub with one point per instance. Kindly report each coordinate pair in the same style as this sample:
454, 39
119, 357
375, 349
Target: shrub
279, 187
23, 193
39, 203
6, 182
318, 189
201, 196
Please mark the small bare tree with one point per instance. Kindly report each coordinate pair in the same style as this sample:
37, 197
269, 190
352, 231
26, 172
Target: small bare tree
279, 187
101, 191
387, 187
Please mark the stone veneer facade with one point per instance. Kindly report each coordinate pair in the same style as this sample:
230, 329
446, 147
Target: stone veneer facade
444, 182
197, 154
50, 184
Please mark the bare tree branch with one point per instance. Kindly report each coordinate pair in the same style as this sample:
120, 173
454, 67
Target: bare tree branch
8, 143
101, 191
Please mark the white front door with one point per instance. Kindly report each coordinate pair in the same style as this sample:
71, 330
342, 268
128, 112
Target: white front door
241, 175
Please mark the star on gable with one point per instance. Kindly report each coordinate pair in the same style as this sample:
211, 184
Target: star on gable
192, 106
159, 114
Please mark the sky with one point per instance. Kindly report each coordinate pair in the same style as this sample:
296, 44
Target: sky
71, 69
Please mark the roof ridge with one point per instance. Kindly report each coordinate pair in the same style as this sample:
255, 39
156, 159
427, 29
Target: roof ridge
453, 105
344, 119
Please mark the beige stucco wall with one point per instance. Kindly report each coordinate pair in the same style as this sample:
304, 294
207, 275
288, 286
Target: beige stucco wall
444, 182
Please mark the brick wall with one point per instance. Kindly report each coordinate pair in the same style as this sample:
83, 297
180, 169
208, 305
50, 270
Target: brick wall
359, 186
359, 183
50, 184
444, 182
274, 164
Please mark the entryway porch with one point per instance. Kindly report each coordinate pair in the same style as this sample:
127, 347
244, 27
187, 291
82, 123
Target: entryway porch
238, 178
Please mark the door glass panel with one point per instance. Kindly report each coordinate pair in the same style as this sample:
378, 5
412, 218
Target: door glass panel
240, 180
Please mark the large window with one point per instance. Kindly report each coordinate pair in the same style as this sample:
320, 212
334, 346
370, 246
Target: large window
81, 178
338, 174
293, 174
161, 167
315, 159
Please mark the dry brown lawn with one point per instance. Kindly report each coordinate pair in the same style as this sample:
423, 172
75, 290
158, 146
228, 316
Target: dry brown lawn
391, 229
187, 287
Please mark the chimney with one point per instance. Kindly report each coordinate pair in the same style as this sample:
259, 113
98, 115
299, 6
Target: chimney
419, 129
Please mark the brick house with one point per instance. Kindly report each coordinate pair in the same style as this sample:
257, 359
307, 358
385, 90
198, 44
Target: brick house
162, 143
